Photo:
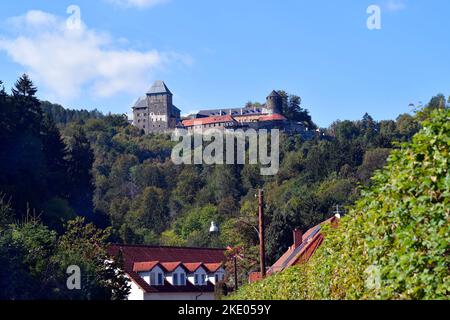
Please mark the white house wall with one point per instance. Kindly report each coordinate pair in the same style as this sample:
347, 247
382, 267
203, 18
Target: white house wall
179, 296
136, 292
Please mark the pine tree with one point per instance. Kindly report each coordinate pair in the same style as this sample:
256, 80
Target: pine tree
80, 160
27, 107
2, 90
55, 153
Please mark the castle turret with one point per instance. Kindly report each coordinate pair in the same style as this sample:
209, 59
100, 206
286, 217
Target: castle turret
274, 103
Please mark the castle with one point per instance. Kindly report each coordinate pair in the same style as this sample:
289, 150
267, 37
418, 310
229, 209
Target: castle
155, 113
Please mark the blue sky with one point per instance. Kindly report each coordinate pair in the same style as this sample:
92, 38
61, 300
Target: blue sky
215, 54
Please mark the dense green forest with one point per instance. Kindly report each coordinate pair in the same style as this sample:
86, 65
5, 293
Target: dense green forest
62, 170
393, 244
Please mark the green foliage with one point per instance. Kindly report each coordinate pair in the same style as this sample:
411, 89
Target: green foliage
84, 245
193, 227
34, 261
393, 244
64, 163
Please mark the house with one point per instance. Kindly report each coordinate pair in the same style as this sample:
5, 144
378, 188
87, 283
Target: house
171, 273
303, 248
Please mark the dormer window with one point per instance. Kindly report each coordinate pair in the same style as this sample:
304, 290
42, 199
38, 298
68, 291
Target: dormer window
179, 279
203, 277
155, 277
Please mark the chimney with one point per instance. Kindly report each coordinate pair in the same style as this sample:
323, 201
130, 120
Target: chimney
298, 235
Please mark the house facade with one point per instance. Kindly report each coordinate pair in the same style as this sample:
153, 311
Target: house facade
171, 273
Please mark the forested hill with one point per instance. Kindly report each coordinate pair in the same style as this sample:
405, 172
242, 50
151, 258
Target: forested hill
58, 165
61, 115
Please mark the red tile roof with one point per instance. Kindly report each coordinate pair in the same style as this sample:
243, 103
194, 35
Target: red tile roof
272, 117
192, 267
171, 266
139, 258
208, 120
144, 266
213, 267
311, 240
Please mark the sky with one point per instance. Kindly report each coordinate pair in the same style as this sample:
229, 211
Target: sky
219, 54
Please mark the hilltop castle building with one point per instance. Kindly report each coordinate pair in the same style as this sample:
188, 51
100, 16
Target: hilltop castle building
155, 113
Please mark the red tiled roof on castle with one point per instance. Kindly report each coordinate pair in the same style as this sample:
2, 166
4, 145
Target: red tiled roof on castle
208, 120
272, 117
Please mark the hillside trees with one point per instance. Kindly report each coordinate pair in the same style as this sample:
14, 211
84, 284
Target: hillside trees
80, 159
393, 243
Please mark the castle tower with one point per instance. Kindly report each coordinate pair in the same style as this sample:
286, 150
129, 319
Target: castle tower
155, 111
274, 103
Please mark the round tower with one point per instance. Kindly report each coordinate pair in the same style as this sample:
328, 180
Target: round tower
274, 103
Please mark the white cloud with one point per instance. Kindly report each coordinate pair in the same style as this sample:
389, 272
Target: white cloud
395, 5
138, 3
68, 61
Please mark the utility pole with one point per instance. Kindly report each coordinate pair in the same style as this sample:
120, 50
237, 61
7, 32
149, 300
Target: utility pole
262, 249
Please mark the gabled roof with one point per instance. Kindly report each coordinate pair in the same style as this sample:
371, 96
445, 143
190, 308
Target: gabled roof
132, 254
144, 266
274, 94
140, 258
159, 87
172, 266
213, 267
194, 266
140, 103
311, 240
233, 111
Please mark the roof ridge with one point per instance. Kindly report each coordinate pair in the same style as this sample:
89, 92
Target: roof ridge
163, 247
